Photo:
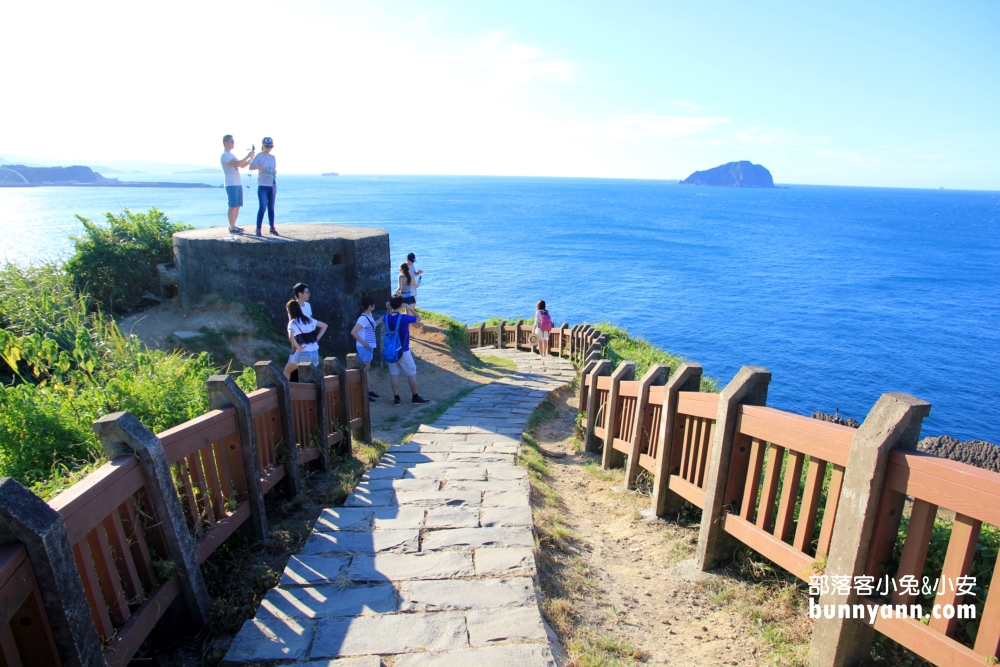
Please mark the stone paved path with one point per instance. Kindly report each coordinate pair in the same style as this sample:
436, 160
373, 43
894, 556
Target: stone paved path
430, 562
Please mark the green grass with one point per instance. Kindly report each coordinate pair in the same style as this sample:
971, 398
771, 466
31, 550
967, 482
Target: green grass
623, 346
500, 362
454, 329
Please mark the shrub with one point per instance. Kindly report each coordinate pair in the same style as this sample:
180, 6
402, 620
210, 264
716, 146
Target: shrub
63, 365
116, 262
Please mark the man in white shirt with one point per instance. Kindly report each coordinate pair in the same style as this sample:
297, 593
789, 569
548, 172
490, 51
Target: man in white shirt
234, 183
301, 292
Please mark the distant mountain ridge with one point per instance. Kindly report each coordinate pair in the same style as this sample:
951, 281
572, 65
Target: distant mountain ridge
20, 176
742, 174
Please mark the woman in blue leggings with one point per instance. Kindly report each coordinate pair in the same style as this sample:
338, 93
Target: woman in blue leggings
267, 184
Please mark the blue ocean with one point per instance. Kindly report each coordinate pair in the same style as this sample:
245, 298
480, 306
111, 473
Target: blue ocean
842, 293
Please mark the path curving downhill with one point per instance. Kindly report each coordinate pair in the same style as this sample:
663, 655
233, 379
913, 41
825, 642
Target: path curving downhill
430, 562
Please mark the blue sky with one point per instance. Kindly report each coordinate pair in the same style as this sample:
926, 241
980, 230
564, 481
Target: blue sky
887, 94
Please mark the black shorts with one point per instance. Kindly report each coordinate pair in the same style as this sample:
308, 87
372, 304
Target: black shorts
409, 300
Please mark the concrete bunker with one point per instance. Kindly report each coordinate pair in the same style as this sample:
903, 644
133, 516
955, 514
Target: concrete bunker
340, 263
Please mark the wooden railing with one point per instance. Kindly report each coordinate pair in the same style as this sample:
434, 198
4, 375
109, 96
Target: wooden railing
25, 635
564, 341
138, 528
774, 481
205, 458
114, 550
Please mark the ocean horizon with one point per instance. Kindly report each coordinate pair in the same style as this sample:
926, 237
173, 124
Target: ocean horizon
843, 293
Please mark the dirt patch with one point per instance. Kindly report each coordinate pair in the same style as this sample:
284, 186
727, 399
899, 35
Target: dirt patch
611, 588
221, 328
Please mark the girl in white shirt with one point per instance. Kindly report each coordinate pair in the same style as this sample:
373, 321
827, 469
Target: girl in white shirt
304, 334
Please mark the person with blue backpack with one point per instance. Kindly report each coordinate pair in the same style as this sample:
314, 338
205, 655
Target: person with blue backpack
396, 347
543, 325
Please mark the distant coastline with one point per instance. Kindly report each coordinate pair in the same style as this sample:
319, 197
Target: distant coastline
21, 176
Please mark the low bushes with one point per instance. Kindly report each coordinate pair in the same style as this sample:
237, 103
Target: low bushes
116, 262
63, 363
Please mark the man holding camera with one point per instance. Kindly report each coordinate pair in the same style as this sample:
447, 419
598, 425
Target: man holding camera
234, 182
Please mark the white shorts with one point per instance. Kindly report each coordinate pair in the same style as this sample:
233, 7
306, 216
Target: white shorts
405, 364
542, 335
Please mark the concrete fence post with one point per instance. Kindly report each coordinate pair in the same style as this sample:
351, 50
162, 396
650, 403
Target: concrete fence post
332, 366
572, 342
223, 393
657, 375
894, 421
270, 376
482, 335
563, 330
366, 422
687, 378
612, 457
28, 519
518, 326
121, 433
602, 367
500, 335
749, 387
310, 373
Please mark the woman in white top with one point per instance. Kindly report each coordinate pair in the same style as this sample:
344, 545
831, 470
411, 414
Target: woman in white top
407, 285
364, 335
304, 334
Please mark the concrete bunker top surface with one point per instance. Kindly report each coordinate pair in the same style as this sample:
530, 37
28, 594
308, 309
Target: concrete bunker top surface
290, 233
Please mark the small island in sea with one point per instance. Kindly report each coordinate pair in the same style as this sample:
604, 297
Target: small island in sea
741, 174
20, 176
330, 173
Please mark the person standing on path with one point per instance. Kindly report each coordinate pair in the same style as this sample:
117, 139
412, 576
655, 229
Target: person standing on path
404, 316
304, 334
301, 292
234, 183
267, 184
364, 336
415, 273
543, 325
406, 285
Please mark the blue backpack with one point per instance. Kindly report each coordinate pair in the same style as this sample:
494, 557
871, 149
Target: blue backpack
391, 346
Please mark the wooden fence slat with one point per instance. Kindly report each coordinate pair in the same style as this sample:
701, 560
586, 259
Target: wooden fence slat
830, 510
92, 589
186, 492
988, 635
957, 563
8, 648
704, 451
201, 490
123, 557
789, 495
769, 492
748, 508
137, 544
815, 472
214, 487
107, 576
918, 540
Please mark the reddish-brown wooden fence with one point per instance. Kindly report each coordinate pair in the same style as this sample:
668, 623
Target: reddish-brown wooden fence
25, 635
775, 481
139, 526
